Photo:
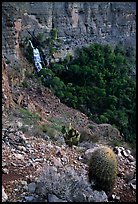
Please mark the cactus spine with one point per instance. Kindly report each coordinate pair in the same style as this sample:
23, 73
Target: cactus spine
103, 168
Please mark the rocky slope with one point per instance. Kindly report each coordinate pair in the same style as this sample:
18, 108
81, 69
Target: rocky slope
38, 170
31, 154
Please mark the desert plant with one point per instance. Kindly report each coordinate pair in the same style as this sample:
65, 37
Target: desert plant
103, 169
41, 37
53, 33
24, 84
71, 135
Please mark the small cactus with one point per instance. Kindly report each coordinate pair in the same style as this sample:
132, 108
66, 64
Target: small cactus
71, 135
103, 168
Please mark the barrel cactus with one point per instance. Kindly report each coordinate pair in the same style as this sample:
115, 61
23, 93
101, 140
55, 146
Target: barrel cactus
103, 169
71, 135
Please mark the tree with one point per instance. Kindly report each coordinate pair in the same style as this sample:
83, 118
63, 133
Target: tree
98, 80
53, 33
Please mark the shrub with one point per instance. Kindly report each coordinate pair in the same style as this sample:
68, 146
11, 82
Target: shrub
71, 135
24, 84
98, 82
48, 130
103, 169
53, 33
40, 37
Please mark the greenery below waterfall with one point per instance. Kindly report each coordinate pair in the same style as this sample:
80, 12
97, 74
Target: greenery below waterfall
98, 82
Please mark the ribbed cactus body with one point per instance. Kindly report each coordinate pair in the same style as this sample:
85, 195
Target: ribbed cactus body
103, 169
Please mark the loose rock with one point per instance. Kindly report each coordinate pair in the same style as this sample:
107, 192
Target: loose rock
5, 171
29, 198
31, 187
4, 195
54, 198
19, 156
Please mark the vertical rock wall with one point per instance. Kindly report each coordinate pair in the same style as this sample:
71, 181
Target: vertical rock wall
78, 23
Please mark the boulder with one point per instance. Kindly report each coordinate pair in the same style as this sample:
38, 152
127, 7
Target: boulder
31, 187
68, 186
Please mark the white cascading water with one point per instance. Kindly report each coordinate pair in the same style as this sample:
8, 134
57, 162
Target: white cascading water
36, 57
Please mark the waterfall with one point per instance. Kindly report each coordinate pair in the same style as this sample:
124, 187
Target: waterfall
36, 57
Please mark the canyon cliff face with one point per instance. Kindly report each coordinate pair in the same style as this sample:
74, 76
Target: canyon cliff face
78, 23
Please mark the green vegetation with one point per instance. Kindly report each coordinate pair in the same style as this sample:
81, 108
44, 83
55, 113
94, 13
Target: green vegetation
28, 115
116, 142
41, 37
103, 169
98, 83
32, 127
53, 33
7, 61
57, 123
71, 135
29, 54
50, 131
24, 84
41, 42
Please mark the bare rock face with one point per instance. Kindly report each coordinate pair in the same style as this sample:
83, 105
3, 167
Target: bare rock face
6, 95
10, 30
78, 23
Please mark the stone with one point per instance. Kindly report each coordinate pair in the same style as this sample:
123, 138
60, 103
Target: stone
113, 196
129, 176
13, 164
19, 156
60, 139
80, 158
23, 182
4, 195
21, 148
50, 146
5, 171
59, 152
64, 160
117, 197
131, 158
99, 196
28, 146
124, 153
38, 160
29, 198
54, 198
87, 154
117, 150
86, 145
4, 164
31, 187
25, 186
122, 148
19, 124
133, 186
3, 108
133, 181
57, 162
69, 185
128, 151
